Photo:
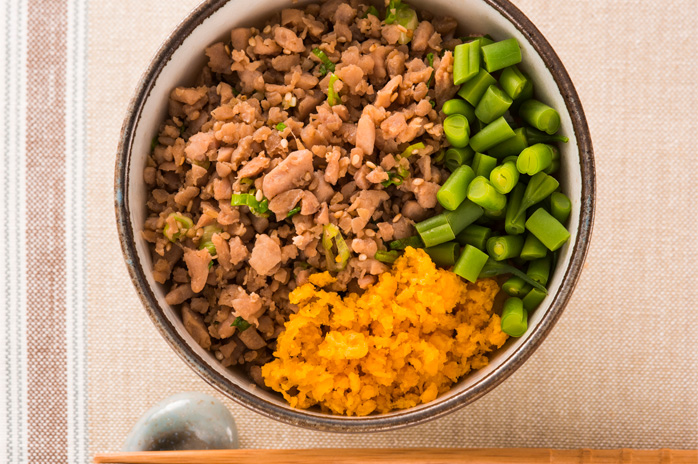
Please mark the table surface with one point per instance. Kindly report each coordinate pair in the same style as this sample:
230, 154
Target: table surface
82, 361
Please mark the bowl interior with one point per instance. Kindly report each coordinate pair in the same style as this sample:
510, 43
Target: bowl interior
177, 64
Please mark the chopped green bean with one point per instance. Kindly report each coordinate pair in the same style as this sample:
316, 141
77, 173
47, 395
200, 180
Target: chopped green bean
536, 136
456, 157
513, 223
514, 317
482, 39
444, 255
504, 177
535, 159
459, 106
332, 95
326, 64
473, 90
533, 299
533, 248
493, 104
387, 256
466, 62
515, 286
475, 235
483, 165
512, 81
547, 229
413, 241
500, 55
494, 133
482, 193
539, 270
540, 116
555, 165
455, 189
494, 268
495, 215
560, 206
505, 246
466, 213
538, 189
435, 230
510, 147
470, 263
457, 130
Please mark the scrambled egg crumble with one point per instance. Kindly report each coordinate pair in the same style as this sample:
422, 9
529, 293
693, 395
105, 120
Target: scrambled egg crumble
407, 339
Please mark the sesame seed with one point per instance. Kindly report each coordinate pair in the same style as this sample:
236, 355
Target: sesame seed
267, 29
370, 233
338, 214
284, 143
418, 182
363, 257
219, 356
251, 42
428, 125
397, 218
258, 196
307, 176
355, 160
373, 47
393, 97
371, 164
401, 28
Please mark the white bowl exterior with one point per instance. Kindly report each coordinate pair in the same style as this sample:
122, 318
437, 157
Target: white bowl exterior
474, 17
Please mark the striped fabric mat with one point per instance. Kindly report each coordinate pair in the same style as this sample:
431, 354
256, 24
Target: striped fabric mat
81, 361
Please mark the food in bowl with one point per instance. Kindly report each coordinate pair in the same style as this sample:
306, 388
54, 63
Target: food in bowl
332, 140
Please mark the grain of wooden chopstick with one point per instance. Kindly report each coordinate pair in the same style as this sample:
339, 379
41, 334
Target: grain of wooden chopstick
406, 456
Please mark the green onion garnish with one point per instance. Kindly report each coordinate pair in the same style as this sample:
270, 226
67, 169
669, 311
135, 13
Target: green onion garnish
339, 262
387, 256
241, 324
326, 65
258, 208
281, 127
410, 150
294, 211
332, 96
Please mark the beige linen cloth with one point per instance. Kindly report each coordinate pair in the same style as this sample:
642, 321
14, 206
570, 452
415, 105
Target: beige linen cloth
620, 369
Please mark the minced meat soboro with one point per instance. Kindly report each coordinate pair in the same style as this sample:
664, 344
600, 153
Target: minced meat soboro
259, 160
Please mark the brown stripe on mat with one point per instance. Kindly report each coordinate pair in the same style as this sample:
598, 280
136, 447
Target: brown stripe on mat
45, 248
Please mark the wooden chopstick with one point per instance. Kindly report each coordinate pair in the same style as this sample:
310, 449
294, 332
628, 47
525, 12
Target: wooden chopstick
406, 456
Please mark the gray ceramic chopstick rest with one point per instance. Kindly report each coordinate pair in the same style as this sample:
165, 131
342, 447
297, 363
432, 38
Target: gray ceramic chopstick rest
184, 421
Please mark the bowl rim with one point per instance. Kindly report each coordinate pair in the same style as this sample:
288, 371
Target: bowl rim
406, 417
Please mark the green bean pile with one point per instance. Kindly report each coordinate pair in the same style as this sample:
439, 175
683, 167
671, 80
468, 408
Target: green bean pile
501, 201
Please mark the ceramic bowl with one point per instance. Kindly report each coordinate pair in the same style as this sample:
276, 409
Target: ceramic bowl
182, 54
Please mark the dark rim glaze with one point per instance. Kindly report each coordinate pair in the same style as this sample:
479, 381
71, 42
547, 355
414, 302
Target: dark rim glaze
379, 422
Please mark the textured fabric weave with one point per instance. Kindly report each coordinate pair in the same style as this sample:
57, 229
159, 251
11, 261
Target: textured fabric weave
82, 361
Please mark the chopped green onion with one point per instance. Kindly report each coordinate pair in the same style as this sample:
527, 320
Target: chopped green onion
470, 263
393, 179
483, 165
391, 11
515, 286
540, 116
533, 249
409, 151
372, 10
514, 317
500, 55
444, 255
413, 241
430, 60
494, 133
504, 177
560, 206
475, 235
514, 223
387, 256
246, 181
326, 65
332, 95
339, 262
281, 127
466, 62
185, 222
547, 229
493, 104
455, 189
482, 193
473, 90
533, 299
457, 130
512, 81
293, 212
494, 268
439, 157
510, 147
205, 239
505, 247
407, 18
535, 159
538, 189
241, 324
456, 157
258, 208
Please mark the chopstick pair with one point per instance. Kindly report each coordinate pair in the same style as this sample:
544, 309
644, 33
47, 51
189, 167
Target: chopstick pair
405, 456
